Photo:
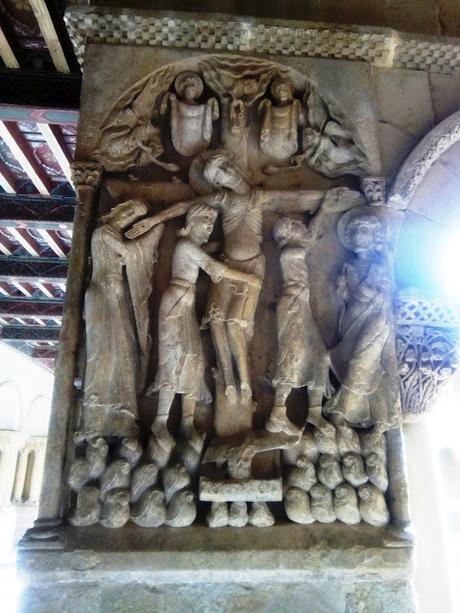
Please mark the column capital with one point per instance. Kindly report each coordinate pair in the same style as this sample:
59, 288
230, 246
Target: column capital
86, 174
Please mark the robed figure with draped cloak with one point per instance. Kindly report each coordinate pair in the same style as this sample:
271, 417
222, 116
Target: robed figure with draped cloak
117, 322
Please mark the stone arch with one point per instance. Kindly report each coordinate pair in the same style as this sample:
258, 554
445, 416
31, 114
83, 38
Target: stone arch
11, 406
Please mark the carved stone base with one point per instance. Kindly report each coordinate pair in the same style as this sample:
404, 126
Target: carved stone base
331, 569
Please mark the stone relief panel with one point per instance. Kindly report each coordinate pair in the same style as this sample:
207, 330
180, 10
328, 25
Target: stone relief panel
240, 348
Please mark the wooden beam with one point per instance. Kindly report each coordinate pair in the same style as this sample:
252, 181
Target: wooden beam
55, 142
38, 114
25, 240
6, 51
24, 211
7, 181
31, 269
30, 333
48, 30
20, 149
46, 309
54, 242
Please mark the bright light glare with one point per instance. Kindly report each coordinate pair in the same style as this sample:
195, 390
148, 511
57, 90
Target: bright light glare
448, 265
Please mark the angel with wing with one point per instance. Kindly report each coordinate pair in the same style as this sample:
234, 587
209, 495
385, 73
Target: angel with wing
128, 137
327, 146
117, 322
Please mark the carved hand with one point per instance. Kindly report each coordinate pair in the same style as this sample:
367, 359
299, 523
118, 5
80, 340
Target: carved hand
341, 199
141, 227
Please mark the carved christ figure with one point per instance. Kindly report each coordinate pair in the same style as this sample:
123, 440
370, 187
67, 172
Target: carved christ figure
364, 361
279, 137
191, 123
117, 322
232, 305
181, 366
302, 360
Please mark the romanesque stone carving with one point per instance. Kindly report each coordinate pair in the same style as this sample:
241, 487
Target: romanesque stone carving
191, 123
427, 351
264, 391
117, 323
281, 120
364, 358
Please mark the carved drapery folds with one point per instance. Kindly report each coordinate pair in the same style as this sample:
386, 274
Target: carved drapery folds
427, 346
255, 364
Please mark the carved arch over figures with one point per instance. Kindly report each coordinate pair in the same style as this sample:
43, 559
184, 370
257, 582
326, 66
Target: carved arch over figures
240, 91
427, 313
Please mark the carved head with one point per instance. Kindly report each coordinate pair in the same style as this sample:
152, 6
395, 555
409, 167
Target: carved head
282, 90
219, 171
124, 214
363, 232
199, 222
289, 230
189, 86
342, 491
366, 491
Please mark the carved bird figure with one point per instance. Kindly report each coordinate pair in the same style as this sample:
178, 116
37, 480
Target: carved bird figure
346, 504
88, 507
347, 439
377, 472
321, 504
175, 478
150, 510
238, 514
260, 515
374, 442
116, 476
143, 477
305, 447
129, 449
325, 443
115, 509
91, 466
372, 505
297, 506
181, 510
353, 469
217, 516
302, 475
328, 469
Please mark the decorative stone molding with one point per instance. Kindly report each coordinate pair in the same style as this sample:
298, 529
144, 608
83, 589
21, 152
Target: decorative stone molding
426, 342
422, 158
86, 174
379, 46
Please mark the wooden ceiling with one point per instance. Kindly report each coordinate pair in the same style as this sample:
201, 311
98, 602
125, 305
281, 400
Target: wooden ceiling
39, 98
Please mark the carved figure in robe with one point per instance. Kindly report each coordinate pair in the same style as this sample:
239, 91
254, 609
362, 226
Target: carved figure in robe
181, 365
117, 323
279, 138
134, 144
191, 123
232, 305
364, 360
303, 360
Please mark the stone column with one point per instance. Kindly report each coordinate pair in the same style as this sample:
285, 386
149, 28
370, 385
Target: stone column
10, 443
86, 180
39, 445
19, 481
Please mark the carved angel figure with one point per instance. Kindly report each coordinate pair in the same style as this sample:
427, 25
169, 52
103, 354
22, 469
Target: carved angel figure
303, 360
181, 365
279, 137
191, 123
117, 322
232, 305
327, 146
364, 361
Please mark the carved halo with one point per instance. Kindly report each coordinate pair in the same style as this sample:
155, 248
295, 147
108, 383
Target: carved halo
183, 77
357, 211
